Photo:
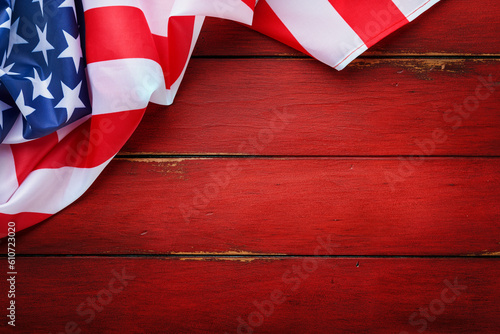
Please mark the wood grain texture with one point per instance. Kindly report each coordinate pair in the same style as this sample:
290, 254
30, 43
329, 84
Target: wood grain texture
457, 27
374, 107
330, 210
280, 206
337, 295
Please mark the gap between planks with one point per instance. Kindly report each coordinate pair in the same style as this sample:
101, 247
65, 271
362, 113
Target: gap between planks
387, 56
147, 157
256, 256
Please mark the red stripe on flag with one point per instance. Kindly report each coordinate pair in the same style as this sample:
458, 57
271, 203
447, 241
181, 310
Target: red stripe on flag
93, 142
250, 3
118, 32
267, 22
23, 220
174, 50
371, 23
28, 155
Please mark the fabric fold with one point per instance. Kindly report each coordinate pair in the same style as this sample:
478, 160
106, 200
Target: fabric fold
76, 78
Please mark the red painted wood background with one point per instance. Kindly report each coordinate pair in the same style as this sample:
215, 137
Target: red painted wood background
280, 196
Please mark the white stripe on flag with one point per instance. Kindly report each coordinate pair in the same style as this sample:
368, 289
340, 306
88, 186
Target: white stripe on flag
9, 184
51, 190
89, 4
166, 96
15, 135
123, 84
413, 8
235, 10
157, 14
320, 29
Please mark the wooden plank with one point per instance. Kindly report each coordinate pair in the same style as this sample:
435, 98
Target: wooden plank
375, 107
443, 206
313, 295
460, 27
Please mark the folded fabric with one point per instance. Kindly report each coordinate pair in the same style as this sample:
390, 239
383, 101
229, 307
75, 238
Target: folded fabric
76, 78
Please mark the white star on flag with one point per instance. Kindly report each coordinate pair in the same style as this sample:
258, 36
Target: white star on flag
6, 69
25, 110
14, 38
70, 4
71, 99
73, 50
6, 24
43, 45
41, 4
40, 87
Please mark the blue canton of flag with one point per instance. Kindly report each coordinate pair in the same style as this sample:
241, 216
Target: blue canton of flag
43, 84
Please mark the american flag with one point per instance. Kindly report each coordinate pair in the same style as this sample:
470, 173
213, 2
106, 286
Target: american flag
76, 78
